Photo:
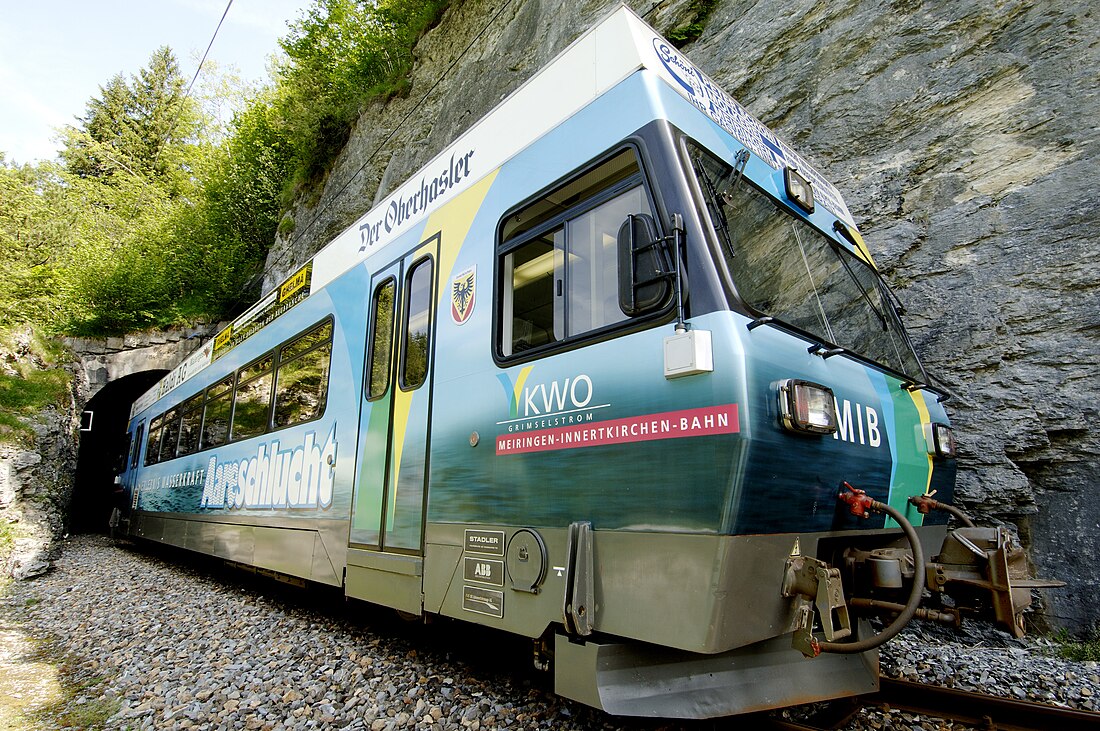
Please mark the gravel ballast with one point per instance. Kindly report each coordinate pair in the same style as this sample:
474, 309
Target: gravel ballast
176, 642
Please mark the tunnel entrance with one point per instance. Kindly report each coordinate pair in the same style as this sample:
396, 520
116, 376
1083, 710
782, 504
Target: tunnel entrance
103, 441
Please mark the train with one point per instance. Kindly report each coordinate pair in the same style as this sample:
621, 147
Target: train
615, 372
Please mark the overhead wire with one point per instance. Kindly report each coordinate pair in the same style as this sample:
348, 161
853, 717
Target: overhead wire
208, 47
194, 78
179, 110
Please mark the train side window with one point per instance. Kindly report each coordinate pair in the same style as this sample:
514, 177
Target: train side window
170, 436
252, 399
152, 449
530, 274
190, 425
137, 445
417, 325
592, 265
301, 388
382, 311
559, 266
215, 420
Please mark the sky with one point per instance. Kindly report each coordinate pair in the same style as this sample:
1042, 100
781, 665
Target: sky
55, 54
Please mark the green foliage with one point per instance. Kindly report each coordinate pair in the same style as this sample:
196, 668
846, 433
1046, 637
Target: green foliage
30, 381
32, 240
248, 175
1087, 650
161, 212
700, 13
93, 713
133, 233
135, 128
340, 55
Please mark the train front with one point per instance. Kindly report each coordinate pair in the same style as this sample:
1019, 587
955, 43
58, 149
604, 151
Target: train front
830, 491
820, 494
721, 477
844, 440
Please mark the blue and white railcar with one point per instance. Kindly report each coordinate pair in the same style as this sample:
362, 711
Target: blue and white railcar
594, 375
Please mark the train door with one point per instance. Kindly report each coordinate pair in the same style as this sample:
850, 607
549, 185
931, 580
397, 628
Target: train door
391, 484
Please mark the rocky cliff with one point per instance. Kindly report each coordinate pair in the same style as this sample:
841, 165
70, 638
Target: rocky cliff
37, 462
963, 135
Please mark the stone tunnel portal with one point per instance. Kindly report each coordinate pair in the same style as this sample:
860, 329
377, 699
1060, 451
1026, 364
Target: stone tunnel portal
102, 448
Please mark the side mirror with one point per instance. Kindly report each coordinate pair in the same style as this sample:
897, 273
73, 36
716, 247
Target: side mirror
645, 268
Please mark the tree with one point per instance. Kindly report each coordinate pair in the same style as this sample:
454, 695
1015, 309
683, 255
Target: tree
248, 175
33, 234
137, 127
162, 214
339, 55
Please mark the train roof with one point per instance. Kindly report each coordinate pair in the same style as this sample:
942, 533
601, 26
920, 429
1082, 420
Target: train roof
608, 52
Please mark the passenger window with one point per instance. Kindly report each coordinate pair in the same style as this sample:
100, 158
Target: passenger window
592, 269
302, 380
417, 325
190, 425
170, 435
152, 450
381, 340
252, 399
559, 265
532, 272
215, 420
137, 445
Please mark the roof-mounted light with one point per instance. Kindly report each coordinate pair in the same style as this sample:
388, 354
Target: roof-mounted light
807, 408
799, 189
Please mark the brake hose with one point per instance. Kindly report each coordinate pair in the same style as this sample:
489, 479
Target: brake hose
860, 502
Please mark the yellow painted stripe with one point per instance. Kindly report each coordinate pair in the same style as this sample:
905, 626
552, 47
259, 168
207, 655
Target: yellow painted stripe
861, 247
925, 421
522, 379
402, 405
452, 222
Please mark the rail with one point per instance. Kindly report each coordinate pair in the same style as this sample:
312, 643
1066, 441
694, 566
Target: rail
986, 712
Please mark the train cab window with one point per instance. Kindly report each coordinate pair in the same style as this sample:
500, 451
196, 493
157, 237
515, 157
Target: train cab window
215, 421
252, 399
382, 310
559, 257
783, 267
417, 325
302, 378
190, 425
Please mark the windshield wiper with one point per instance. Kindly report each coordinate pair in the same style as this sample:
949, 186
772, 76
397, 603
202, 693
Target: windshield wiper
841, 230
895, 304
862, 290
717, 201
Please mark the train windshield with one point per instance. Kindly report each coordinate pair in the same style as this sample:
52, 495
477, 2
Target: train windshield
783, 267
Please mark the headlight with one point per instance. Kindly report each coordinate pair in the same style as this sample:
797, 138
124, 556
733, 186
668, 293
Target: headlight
799, 189
941, 440
807, 408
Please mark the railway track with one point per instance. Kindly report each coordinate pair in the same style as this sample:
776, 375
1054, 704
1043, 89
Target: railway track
986, 712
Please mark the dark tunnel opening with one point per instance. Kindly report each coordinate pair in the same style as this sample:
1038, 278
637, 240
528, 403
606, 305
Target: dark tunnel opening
103, 442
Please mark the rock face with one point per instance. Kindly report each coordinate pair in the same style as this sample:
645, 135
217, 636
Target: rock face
963, 135
960, 132
481, 51
36, 480
108, 359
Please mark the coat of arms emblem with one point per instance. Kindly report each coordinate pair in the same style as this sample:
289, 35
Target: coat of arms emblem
463, 295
